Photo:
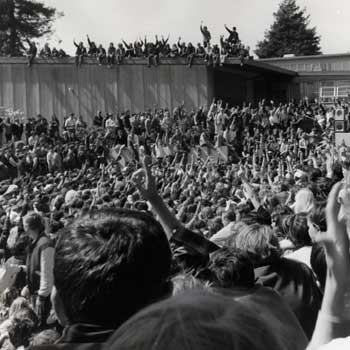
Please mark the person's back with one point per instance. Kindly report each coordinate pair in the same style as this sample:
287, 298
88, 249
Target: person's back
296, 283
108, 265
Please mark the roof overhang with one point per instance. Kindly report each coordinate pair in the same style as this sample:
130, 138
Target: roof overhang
255, 68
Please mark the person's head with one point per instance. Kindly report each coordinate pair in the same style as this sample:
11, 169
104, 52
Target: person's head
18, 304
278, 213
297, 230
316, 219
260, 243
318, 263
108, 265
227, 217
20, 332
230, 268
33, 224
185, 282
20, 246
304, 201
201, 321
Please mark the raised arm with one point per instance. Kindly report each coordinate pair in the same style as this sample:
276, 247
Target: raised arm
172, 227
179, 43
89, 41
157, 41
228, 29
165, 41
126, 45
149, 192
334, 317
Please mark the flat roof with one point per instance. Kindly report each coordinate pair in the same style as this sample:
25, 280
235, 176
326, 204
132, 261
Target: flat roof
93, 61
292, 58
251, 63
258, 67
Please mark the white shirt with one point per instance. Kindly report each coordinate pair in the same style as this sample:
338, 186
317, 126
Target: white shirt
46, 271
337, 344
70, 123
302, 255
110, 124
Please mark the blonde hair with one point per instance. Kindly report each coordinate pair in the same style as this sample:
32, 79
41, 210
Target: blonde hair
185, 281
260, 242
18, 304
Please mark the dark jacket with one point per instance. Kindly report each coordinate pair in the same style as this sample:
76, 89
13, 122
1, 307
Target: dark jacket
33, 262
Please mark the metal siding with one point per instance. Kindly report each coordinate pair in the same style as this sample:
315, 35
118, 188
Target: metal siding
190, 85
150, 85
32, 92
49, 88
45, 91
138, 96
125, 88
165, 100
111, 91
177, 85
19, 89
7, 89
86, 107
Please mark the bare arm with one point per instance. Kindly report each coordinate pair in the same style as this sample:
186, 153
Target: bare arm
168, 221
334, 318
228, 29
89, 41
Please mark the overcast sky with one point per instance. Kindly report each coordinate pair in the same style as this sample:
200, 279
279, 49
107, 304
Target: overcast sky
112, 20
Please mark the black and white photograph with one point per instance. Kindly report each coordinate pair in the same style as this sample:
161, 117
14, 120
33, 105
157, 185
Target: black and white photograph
174, 175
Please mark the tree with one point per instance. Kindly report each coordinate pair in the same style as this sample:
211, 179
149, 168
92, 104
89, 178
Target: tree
21, 20
289, 34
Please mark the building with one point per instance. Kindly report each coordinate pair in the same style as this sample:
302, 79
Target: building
322, 77
57, 86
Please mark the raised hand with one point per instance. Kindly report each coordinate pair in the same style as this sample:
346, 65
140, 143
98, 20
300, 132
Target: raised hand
145, 181
333, 319
335, 240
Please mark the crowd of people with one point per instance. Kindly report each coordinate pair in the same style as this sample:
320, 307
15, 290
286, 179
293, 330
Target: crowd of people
187, 229
213, 54
153, 51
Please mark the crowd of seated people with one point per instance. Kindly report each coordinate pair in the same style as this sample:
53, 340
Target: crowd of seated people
153, 51
183, 229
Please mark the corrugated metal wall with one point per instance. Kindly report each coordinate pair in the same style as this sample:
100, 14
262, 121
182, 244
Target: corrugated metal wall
49, 88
